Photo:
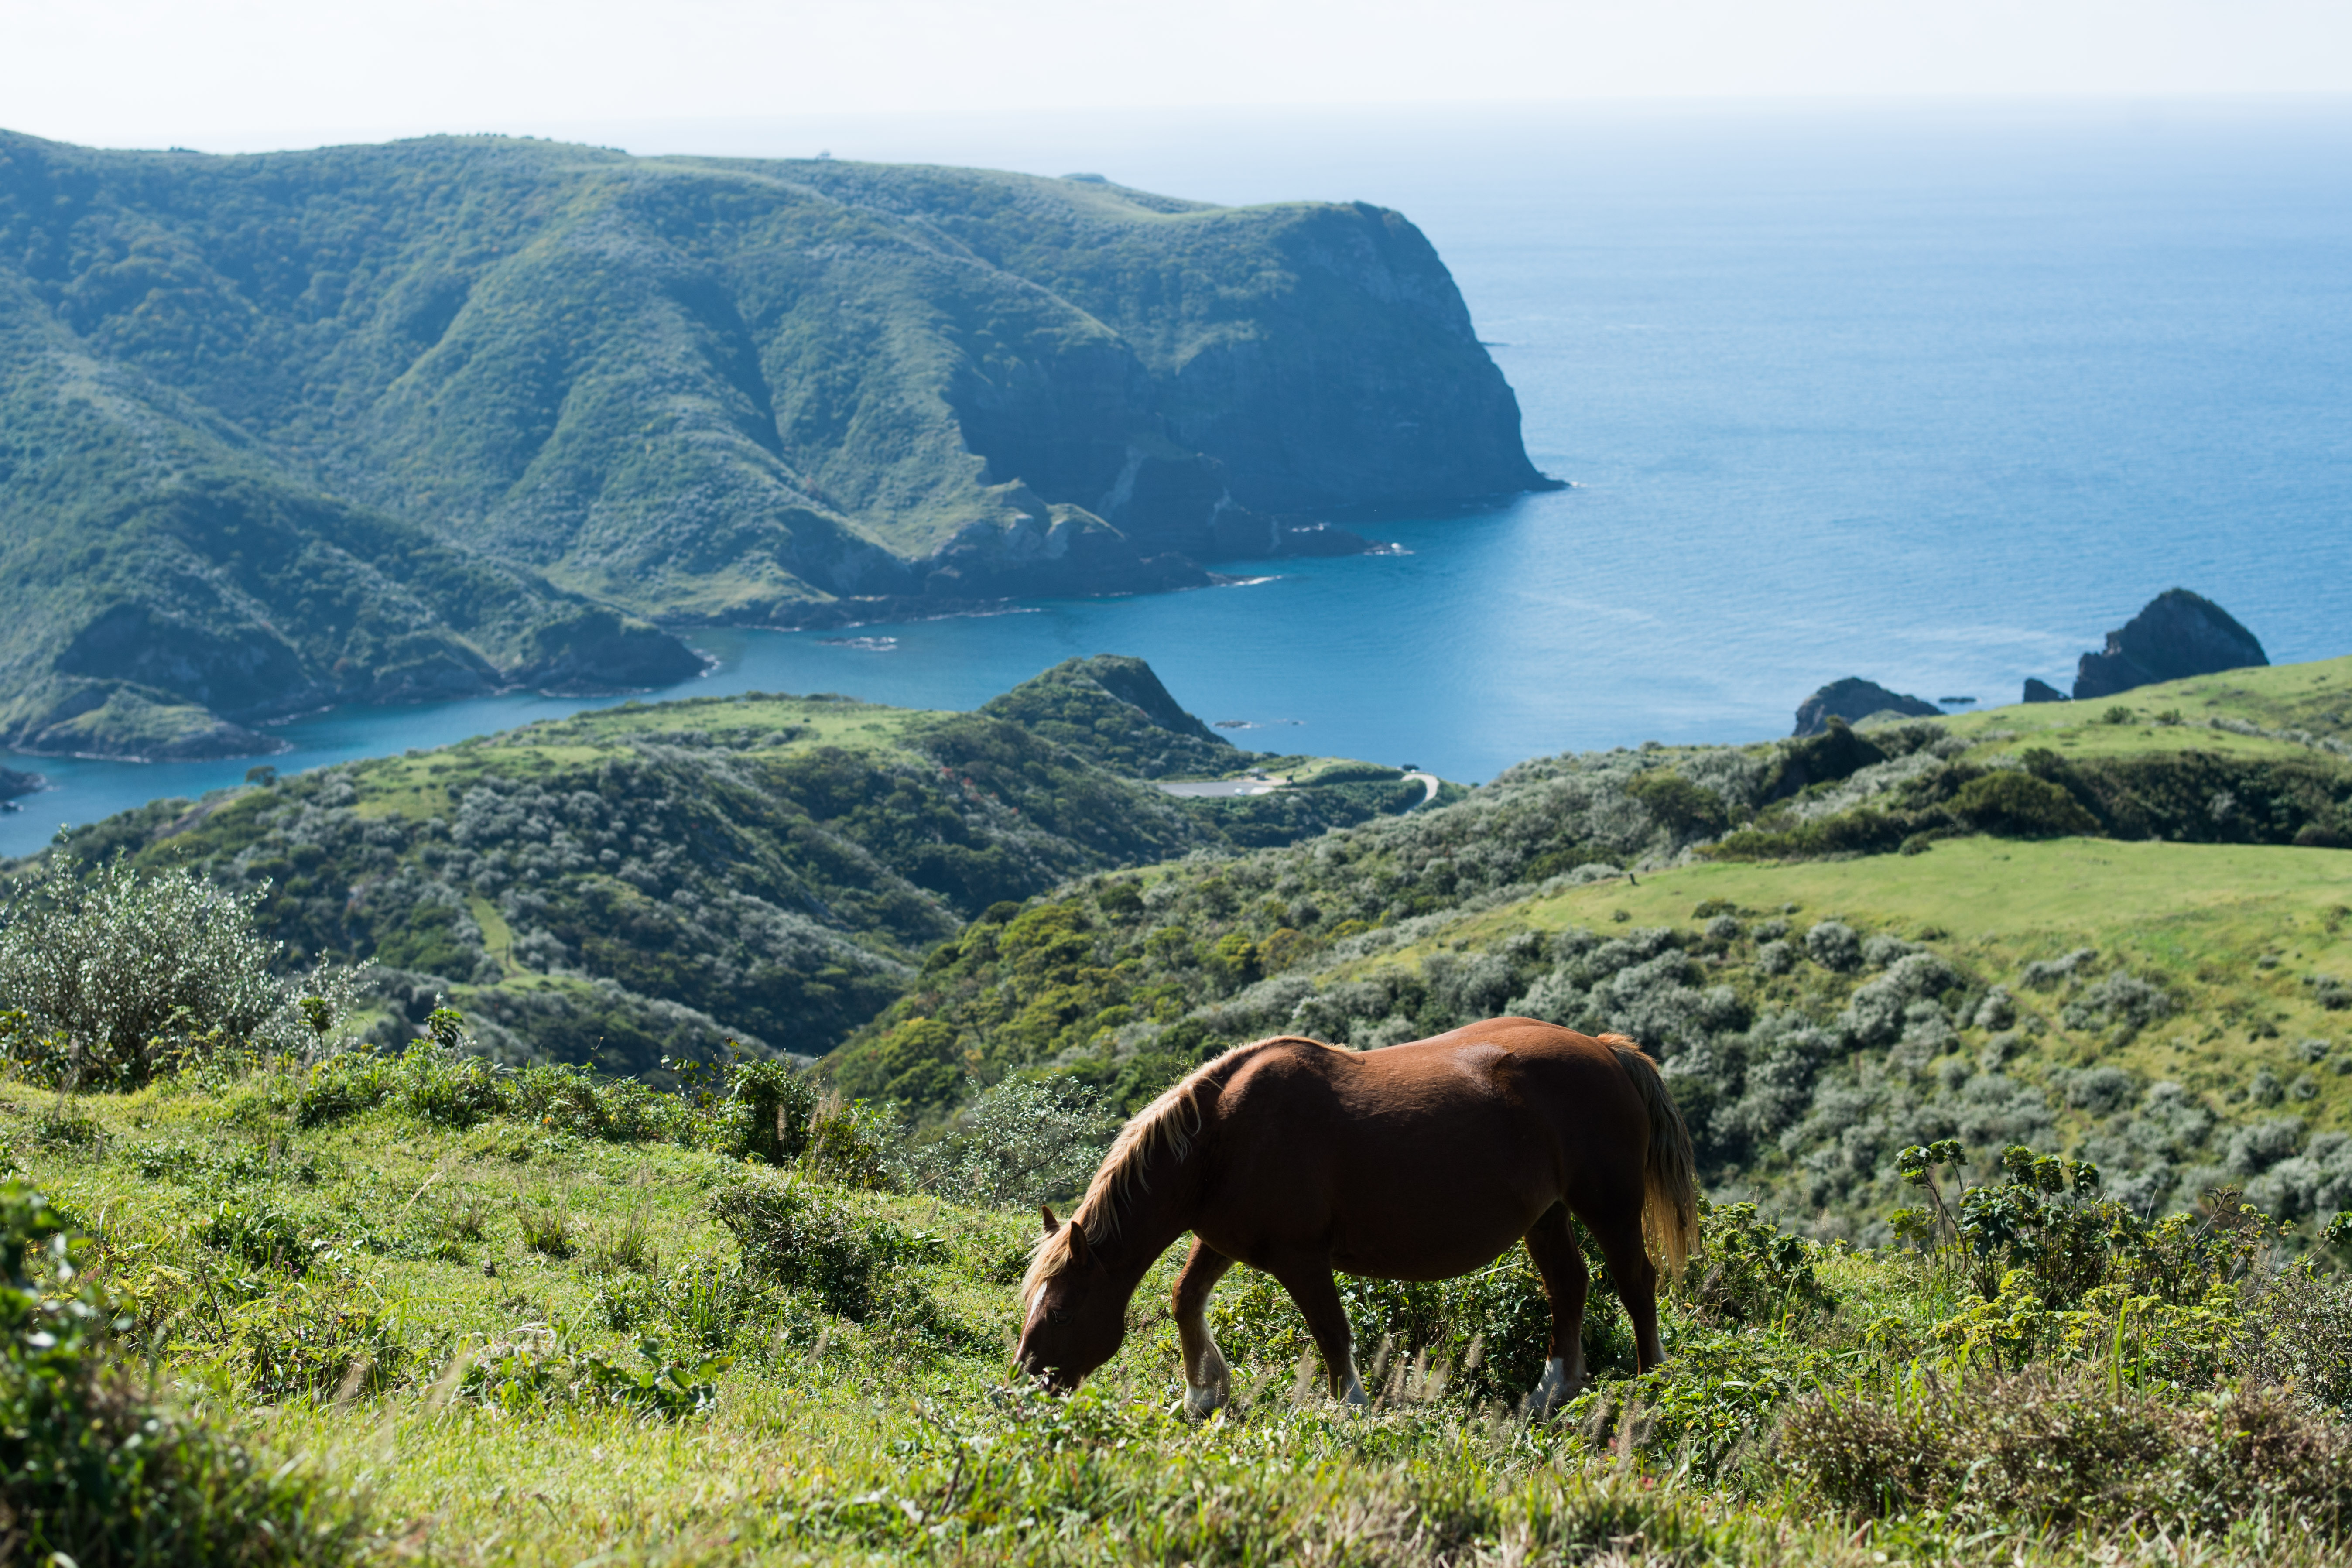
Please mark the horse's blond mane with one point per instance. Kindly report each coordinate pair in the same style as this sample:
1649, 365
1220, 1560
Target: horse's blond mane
1170, 1122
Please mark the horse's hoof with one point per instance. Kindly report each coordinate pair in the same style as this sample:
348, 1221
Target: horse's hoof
1552, 1391
1201, 1401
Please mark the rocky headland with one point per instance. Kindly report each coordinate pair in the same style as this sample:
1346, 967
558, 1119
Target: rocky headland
432, 419
1855, 699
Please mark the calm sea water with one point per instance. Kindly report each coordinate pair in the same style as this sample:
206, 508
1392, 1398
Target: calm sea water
1935, 397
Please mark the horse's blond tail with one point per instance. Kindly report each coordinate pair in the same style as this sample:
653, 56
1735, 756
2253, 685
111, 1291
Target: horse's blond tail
1670, 1186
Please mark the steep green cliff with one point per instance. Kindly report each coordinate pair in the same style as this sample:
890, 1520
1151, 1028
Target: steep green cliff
418, 419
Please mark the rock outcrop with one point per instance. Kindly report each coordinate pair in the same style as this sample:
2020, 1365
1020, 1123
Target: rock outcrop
1855, 699
2042, 691
1113, 711
2177, 635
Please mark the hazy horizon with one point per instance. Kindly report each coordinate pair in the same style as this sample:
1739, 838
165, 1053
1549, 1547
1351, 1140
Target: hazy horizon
275, 73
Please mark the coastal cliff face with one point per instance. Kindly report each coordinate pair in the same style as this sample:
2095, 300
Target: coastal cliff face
433, 417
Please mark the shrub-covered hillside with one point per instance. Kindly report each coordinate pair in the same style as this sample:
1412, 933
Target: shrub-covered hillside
2169, 1005
656, 880
610, 888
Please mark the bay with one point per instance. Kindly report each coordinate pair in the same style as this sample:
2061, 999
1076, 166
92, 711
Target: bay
1936, 395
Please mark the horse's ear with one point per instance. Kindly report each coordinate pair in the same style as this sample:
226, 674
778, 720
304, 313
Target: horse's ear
1051, 1225
1078, 1244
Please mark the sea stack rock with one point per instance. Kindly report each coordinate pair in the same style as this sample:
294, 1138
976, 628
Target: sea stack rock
1855, 699
2043, 691
2178, 634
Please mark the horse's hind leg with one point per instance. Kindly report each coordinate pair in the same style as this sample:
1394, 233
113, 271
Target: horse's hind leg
1552, 1244
1636, 1278
1207, 1383
1310, 1285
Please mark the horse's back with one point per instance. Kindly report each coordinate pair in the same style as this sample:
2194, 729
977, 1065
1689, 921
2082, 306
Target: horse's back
1430, 1157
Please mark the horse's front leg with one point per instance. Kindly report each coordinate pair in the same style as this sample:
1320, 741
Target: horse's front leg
1552, 1246
1310, 1285
1207, 1382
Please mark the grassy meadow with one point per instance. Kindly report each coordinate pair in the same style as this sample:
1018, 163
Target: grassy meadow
403, 1308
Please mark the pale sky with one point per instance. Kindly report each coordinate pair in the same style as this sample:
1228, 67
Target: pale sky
229, 75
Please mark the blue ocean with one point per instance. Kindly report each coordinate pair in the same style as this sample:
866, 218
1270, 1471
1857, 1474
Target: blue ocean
1932, 395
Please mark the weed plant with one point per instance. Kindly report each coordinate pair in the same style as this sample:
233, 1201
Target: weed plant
93, 1468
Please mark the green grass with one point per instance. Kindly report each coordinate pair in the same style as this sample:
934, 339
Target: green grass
829, 1438
2238, 901
2315, 697
2233, 932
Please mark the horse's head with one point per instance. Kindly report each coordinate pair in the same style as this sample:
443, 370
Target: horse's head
1077, 1313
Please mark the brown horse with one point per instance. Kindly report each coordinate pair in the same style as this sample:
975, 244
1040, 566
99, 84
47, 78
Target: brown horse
1418, 1161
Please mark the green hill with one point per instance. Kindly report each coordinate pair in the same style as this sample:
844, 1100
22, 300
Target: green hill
655, 878
371, 1307
2117, 928
411, 420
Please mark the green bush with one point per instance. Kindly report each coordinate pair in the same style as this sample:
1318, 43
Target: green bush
258, 1235
2060, 1454
767, 1115
2014, 804
310, 1342
1748, 1271
442, 1079
705, 1305
343, 1086
514, 1377
566, 1098
800, 1236
1684, 808
2050, 1223
852, 1144
1024, 1142
92, 1470
118, 973
2297, 1330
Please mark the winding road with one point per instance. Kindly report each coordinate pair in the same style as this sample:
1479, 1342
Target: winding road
1226, 789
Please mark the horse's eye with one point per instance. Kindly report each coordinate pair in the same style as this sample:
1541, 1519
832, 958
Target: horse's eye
1057, 1314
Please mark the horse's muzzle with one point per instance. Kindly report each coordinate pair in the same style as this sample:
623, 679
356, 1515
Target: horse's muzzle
1053, 1379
